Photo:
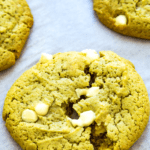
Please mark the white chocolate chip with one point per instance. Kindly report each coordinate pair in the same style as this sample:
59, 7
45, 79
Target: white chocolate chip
121, 20
76, 122
46, 57
81, 92
42, 109
86, 119
92, 91
91, 54
88, 92
29, 116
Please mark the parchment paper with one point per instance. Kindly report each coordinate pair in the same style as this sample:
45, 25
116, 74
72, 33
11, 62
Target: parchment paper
72, 25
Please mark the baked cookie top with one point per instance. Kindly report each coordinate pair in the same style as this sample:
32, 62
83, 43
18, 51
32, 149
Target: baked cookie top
130, 18
15, 23
105, 91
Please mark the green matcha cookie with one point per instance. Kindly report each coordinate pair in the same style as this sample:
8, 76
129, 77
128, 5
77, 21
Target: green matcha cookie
130, 18
15, 23
105, 91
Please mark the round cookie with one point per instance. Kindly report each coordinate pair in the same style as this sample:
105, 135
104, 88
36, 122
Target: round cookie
105, 91
15, 23
130, 18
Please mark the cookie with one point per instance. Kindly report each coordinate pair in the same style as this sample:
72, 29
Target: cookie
15, 23
77, 101
126, 17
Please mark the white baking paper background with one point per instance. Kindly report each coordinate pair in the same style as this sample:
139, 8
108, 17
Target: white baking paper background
72, 25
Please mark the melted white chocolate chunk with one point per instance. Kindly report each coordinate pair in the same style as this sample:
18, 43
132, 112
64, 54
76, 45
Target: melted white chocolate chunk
121, 20
92, 91
29, 116
42, 109
86, 119
81, 92
46, 57
91, 54
87, 92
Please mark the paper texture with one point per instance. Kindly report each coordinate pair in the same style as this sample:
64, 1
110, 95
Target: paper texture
72, 25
